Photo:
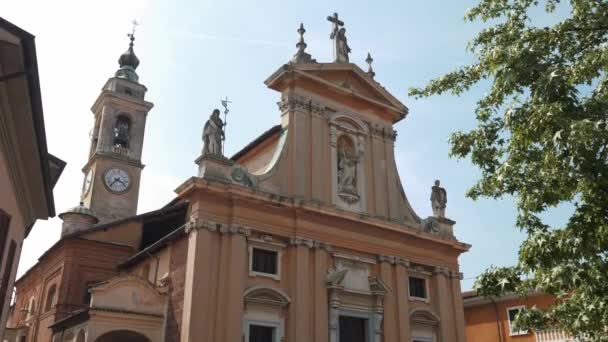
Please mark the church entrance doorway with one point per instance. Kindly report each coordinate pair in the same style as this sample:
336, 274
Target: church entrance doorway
353, 329
122, 336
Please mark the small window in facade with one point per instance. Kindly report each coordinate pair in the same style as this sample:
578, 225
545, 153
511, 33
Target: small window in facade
417, 288
264, 261
10, 258
128, 91
512, 314
261, 333
50, 298
87, 292
145, 272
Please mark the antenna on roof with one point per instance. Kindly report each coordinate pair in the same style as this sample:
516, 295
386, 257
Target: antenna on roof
225, 103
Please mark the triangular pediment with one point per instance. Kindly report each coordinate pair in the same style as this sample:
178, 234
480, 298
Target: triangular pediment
346, 79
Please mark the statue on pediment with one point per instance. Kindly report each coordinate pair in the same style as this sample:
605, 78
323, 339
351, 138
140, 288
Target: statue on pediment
213, 134
439, 199
338, 34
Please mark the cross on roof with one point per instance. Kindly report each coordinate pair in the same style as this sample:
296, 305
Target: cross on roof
134, 23
334, 19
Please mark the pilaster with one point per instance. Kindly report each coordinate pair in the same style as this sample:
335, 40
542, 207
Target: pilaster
300, 309
214, 286
444, 303
455, 278
320, 313
391, 328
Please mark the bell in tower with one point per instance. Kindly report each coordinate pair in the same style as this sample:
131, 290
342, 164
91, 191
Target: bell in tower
113, 171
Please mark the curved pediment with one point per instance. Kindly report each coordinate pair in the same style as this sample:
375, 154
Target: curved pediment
266, 295
127, 293
424, 316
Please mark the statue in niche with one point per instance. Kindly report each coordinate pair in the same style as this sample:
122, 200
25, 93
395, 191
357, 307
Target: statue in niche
439, 198
213, 134
121, 132
347, 170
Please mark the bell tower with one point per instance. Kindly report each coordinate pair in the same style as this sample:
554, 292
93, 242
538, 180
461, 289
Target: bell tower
113, 171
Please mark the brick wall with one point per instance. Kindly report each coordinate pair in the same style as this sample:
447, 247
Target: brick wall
177, 274
69, 265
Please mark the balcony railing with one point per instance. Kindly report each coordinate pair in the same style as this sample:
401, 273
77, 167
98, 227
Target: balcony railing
553, 335
118, 150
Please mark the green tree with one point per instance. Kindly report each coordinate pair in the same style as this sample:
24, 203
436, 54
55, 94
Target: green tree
542, 136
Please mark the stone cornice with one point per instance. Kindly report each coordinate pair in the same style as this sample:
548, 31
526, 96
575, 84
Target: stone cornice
212, 226
441, 270
256, 195
394, 260
310, 243
300, 103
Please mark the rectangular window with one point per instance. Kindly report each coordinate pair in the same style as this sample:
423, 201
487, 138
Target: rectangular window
4, 226
264, 261
261, 333
512, 314
418, 287
353, 329
8, 270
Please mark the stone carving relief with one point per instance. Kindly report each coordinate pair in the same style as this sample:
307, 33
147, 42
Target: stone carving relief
242, 176
382, 132
301, 103
347, 170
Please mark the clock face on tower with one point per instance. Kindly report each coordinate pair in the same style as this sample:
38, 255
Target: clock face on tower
117, 180
88, 179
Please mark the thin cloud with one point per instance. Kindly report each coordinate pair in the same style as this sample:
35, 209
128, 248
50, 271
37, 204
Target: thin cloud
223, 38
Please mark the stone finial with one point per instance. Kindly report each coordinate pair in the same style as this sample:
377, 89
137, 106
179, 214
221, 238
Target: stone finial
128, 61
301, 56
370, 70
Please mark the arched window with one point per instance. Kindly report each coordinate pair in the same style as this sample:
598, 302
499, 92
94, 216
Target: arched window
50, 298
121, 131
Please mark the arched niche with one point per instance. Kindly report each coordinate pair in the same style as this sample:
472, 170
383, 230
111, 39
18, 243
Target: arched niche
347, 144
122, 131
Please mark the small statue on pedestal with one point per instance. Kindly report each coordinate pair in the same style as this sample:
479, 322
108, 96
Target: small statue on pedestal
439, 198
213, 134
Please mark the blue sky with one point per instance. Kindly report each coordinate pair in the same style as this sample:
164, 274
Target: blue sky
193, 53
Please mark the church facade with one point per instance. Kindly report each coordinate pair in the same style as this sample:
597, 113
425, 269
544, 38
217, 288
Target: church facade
306, 234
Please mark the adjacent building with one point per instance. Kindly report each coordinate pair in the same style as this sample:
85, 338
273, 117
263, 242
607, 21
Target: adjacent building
28, 172
306, 234
490, 320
